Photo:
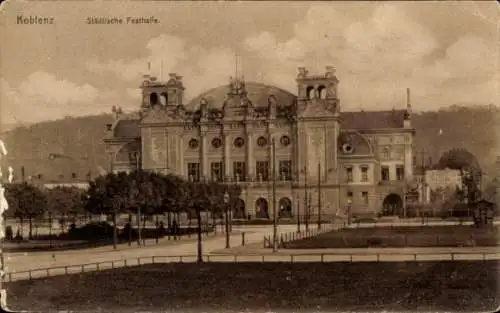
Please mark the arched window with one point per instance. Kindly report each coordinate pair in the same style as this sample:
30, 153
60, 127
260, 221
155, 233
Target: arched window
153, 98
386, 153
164, 99
322, 92
311, 93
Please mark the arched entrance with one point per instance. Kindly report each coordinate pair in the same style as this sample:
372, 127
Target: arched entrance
261, 208
285, 208
239, 209
392, 205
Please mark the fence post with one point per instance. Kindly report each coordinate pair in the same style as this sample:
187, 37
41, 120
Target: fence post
180, 258
112, 264
29, 274
139, 261
48, 272
243, 238
262, 258
322, 257
235, 258
378, 257
452, 256
66, 270
83, 268
97, 265
125, 262
208, 258
415, 256
153, 259
291, 258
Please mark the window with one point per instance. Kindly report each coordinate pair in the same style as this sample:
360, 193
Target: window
216, 143
386, 154
262, 168
193, 143
194, 171
284, 140
262, 141
400, 172
364, 195
285, 167
216, 171
349, 174
239, 171
385, 173
364, 173
239, 142
349, 197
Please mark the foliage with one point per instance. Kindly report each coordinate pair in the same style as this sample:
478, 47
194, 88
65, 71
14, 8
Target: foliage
25, 200
65, 201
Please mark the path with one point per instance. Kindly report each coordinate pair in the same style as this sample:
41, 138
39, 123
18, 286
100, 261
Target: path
16, 262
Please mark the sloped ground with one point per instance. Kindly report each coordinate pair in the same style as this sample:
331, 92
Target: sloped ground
404, 286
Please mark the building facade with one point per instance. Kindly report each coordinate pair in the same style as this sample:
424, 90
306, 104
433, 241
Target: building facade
443, 178
337, 160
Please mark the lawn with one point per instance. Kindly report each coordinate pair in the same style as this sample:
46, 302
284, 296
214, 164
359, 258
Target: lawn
398, 286
401, 236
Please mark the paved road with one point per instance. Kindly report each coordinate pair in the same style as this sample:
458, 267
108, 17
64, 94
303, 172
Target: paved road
16, 262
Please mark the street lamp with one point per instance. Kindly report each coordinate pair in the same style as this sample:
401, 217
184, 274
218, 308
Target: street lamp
298, 216
226, 206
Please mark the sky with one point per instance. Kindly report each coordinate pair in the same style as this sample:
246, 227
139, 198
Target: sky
446, 52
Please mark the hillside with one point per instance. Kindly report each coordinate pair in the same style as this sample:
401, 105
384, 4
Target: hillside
80, 141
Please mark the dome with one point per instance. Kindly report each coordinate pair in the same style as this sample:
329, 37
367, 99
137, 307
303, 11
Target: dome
353, 143
257, 93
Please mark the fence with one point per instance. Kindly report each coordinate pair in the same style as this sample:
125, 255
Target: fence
282, 258
286, 237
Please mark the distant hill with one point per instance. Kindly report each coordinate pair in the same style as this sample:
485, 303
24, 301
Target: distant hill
79, 139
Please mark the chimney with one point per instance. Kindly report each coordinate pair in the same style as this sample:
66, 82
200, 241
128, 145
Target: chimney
109, 127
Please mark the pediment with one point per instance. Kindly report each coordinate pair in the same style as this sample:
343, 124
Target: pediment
160, 115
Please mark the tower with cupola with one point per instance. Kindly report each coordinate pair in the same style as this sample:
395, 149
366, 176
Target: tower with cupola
318, 118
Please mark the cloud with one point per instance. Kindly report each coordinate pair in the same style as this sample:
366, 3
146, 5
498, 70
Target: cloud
378, 57
41, 96
200, 66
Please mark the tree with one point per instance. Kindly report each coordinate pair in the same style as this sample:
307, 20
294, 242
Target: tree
27, 201
64, 202
109, 194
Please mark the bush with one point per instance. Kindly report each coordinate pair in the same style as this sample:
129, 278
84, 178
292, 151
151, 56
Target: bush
90, 231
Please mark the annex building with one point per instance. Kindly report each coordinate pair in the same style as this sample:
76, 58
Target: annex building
336, 159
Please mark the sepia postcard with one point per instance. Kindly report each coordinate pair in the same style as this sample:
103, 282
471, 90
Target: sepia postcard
249, 156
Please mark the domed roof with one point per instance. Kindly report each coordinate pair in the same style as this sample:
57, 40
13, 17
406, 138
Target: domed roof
257, 93
353, 143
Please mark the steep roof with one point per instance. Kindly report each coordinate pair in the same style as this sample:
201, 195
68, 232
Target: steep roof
127, 128
373, 119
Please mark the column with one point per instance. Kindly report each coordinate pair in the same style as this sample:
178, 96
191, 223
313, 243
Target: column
249, 157
181, 170
204, 156
227, 156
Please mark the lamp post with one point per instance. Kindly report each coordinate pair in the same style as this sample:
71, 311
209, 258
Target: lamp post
226, 206
298, 215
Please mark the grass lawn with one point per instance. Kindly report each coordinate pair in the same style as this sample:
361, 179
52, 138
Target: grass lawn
400, 286
401, 236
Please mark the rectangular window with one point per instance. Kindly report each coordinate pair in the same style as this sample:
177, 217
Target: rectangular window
262, 168
349, 197
216, 171
364, 174
285, 167
239, 171
385, 173
400, 172
349, 174
194, 171
364, 195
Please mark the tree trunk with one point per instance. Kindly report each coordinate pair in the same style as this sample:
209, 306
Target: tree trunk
157, 229
200, 251
139, 225
213, 222
143, 227
115, 235
30, 221
169, 223
129, 229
